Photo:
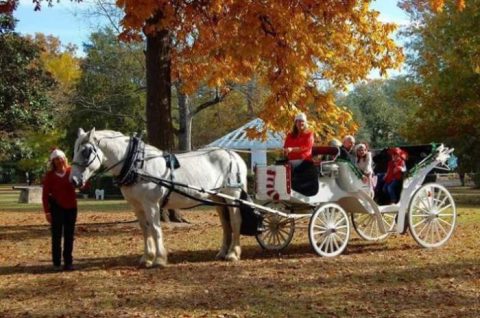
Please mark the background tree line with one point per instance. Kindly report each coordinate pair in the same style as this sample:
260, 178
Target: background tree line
437, 100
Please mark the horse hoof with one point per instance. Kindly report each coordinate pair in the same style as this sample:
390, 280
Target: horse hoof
148, 264
160, 262
232, 257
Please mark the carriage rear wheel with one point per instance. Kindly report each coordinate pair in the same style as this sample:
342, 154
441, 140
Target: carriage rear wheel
367, 226
329, 230
432, 215
278, 231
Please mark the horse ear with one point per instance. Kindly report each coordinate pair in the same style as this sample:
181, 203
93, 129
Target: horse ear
80, 132
91, 135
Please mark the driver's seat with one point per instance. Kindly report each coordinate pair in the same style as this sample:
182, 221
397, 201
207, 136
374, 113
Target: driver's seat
305, 178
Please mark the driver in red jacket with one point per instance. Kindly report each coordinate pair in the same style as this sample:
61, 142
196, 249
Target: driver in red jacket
299, 142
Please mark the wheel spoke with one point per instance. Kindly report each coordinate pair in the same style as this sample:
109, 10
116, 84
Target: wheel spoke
445, 207
282, 236
421, 221
422, 203
322, 243
268, 236
427, 233
330, 243
440, 226
285, 231
424, 227
319, 227
437, 230
442, 202
340, 220
340, 240
445, 222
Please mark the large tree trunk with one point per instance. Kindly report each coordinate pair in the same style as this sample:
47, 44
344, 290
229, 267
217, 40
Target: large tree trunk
159, 97
158, 110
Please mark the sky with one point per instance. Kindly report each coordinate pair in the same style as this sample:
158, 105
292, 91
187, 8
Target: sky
67, 21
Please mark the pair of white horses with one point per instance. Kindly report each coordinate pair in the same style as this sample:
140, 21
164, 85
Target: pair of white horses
206, 169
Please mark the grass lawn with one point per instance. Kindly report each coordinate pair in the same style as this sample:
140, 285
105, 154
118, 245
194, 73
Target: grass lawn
395, 278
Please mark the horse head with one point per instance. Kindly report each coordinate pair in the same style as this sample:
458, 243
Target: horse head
87, 157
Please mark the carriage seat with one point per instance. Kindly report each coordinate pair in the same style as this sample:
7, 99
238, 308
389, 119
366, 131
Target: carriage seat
333, 152
416, 154
381, 157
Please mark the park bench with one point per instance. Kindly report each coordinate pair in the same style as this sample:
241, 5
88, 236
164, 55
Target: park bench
29, 194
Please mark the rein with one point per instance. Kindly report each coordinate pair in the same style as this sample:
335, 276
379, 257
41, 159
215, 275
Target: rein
173, 187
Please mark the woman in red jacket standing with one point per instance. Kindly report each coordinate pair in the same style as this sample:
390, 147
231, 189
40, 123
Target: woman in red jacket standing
299, 142
60, 206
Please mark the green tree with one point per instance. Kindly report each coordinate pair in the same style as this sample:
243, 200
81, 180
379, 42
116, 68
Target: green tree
24, 86
444, 57
110, 92
380, 110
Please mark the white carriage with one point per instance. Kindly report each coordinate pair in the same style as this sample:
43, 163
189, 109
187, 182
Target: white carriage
427, 210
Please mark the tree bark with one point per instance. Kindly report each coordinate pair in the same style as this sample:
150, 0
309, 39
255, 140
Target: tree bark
250, 97
185, 131
158, 109
159, 97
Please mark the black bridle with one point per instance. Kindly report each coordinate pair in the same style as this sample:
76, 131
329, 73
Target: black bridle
87, 162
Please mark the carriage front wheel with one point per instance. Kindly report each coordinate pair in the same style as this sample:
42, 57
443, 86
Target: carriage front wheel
277, 231
329, 230
432, 215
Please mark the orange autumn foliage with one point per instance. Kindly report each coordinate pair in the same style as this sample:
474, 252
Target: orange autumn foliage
290, 46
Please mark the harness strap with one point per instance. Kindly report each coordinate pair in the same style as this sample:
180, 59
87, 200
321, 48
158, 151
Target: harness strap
171, 186
134, 160
170, 163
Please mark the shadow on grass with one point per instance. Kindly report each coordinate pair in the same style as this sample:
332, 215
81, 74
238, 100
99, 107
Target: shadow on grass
184, 257
30, 231
222, 286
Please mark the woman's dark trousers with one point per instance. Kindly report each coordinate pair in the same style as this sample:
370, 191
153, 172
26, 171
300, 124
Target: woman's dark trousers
63, 222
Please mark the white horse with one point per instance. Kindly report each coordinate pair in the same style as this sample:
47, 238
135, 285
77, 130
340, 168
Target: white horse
206, 169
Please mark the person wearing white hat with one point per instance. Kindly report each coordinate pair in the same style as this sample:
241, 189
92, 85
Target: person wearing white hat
60, 207
299, 142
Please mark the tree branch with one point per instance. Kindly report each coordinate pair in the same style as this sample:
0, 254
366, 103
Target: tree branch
218, 98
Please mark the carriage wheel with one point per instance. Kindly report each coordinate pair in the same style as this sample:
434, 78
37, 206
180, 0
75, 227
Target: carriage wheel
278, 231
367, 227
432, 215
329, 230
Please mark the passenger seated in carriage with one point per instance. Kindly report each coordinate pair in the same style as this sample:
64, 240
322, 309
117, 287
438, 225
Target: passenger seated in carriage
364, 163
347, 151
298, 149
392, 180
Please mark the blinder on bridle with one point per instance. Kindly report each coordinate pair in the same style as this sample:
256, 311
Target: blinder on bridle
86, 155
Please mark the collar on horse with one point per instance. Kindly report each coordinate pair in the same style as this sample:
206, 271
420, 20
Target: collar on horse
134, 160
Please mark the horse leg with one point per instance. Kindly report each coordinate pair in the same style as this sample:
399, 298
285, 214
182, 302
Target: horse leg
147, 237
159, 254
234, 250
227, 232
